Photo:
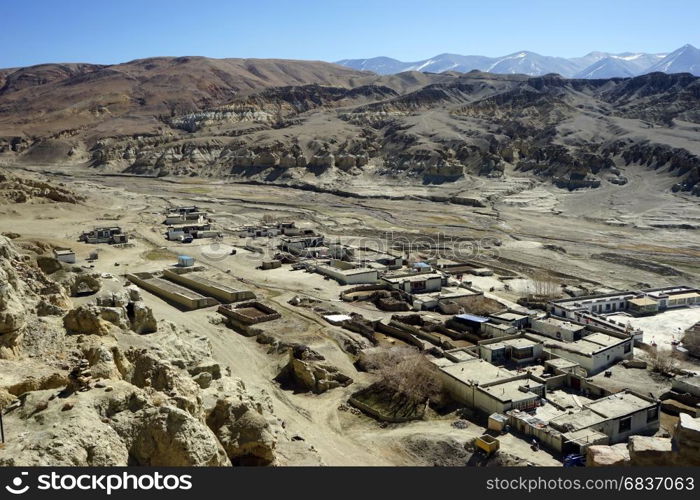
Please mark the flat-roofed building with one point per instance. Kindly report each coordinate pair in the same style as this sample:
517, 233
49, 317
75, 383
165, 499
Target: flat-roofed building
447, 294
346, 273
558, 329
594, 352
518, 351
493, 330
511, 318
171, 292
201, 284
462, 378
617, 416
415, 283
64, 255
642, 306
521, 393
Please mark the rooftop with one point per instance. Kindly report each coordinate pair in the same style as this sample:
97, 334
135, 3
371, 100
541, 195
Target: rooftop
210, 283
472, 317
585, 436
511, 390
643, 301
561, 363
562, 324
500, 326
461, 353
391, 278
587, 346
619, 405
450, 293
509, 316
520, 343
602, 339
477, 372
576, 420
173, 288
347, 272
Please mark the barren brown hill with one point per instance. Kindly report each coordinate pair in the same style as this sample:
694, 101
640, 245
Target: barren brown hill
127, 98
314, 123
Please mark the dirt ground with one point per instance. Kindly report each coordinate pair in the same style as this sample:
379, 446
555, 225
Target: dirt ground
525, 225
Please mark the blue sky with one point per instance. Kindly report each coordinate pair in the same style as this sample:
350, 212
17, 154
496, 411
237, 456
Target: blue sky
104, 31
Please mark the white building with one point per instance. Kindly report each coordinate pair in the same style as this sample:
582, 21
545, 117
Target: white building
64, 255
346, 273
617, 416
415, 283
595, 352
558, 329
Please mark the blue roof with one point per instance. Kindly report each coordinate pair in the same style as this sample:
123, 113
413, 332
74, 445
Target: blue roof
472, 317
421, 264
184, 257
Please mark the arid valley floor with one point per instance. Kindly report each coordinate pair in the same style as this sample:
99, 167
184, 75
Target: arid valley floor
610, 238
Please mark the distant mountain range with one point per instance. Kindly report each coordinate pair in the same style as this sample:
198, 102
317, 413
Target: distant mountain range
686, 59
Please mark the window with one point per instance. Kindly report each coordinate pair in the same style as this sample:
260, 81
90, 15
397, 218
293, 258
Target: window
653, 414
628, 347
625, 424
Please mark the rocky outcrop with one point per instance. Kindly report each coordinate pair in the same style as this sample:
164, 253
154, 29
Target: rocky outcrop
79, 284
604, 456
48, 265
94, 401
22, 286
649, 451
137, 409
240, 424
168, 436
305, 371
88, 320
19, 189
142, 319
122, 309
687, 438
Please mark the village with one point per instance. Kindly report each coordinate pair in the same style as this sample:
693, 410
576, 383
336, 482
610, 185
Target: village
560, 367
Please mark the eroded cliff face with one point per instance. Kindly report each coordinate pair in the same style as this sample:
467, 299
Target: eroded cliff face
436, 128
105, 383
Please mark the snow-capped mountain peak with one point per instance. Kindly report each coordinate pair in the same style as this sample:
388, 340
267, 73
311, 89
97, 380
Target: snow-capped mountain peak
592, 65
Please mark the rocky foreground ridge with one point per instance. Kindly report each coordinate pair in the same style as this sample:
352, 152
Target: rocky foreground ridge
294, 122
88, 377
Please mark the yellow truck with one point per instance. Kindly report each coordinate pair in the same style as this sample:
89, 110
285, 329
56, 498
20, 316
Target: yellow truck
488, 444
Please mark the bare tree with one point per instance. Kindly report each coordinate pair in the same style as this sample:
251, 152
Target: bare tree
544, 286
405, 372
663, 361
